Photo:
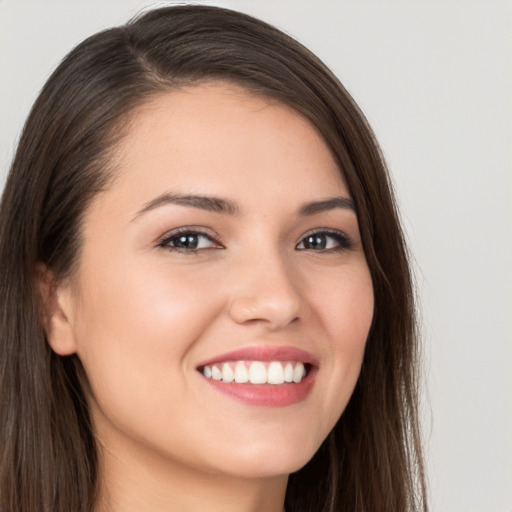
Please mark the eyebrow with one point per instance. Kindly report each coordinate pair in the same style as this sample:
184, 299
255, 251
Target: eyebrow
208, 203
227, 207
328, 204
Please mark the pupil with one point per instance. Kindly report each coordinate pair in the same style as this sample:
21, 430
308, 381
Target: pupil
316, 242
188, 241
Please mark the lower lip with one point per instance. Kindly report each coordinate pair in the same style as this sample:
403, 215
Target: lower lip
266, 395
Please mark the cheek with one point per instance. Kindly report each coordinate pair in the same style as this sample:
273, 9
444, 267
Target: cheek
137, 334
136, 329
346, 312
140, 306
346, 307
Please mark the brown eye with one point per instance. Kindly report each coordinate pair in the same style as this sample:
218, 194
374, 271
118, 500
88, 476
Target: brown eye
325, 241
317, 242
186, 241
189, 241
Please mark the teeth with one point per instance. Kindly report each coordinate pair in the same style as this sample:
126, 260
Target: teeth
256, 372
216, 373
288, 372
227, 373
275, 373
241, 373
298, 372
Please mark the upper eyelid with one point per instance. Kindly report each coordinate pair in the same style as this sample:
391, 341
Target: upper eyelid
169, 235
215, 238
345, 241
324, 230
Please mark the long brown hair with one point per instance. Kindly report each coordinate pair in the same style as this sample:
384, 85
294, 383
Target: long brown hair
372, 460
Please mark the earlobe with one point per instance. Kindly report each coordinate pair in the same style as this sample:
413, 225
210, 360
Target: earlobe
55, 304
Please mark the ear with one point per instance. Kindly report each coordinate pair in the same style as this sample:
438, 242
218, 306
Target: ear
56, 311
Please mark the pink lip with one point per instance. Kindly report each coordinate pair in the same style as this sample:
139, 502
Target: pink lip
266, 395
263, 354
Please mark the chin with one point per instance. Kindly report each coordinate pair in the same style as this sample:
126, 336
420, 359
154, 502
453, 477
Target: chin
264, 459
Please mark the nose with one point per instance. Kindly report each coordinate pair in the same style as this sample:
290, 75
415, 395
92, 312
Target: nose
267, 292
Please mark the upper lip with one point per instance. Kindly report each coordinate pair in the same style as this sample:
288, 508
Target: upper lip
263, 353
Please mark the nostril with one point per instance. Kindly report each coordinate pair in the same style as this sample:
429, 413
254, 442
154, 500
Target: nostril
266, 308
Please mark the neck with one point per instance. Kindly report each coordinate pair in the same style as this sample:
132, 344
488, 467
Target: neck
132, 483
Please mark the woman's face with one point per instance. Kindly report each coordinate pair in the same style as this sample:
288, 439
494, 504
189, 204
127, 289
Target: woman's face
226, 247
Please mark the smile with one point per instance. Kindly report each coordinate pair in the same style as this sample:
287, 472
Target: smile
262, 376
257, 372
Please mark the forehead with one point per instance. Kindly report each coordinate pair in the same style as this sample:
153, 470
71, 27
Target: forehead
217, 137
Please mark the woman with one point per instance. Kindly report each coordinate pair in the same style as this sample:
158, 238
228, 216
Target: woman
207, 301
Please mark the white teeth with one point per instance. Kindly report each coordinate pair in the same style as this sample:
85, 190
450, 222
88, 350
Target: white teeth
256, 372
275, 373
241, 373
288, 372
216, 373
299, 372
227, 373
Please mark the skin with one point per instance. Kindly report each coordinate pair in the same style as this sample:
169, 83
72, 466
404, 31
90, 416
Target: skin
141, 316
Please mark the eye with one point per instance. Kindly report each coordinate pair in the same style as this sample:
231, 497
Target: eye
325, 241
188, 240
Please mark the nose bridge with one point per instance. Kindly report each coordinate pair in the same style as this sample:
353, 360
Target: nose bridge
267, 290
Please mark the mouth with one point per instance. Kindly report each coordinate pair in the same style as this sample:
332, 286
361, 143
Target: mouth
262, 376
274, 373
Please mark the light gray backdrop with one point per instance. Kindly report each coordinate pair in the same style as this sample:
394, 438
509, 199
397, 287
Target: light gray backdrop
435, 80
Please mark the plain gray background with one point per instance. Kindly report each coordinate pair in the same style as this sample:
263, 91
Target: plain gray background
435, 80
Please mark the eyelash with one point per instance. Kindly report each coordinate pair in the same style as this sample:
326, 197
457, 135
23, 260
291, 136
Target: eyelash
165, 242
343, 242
